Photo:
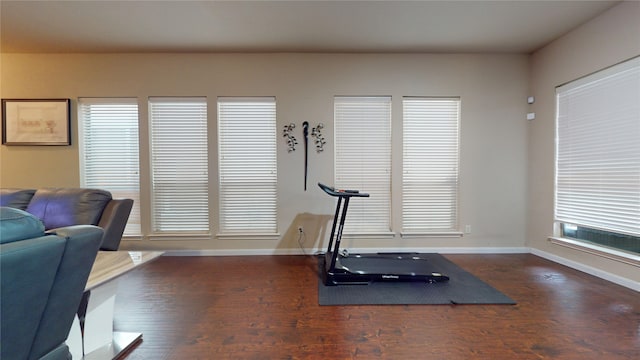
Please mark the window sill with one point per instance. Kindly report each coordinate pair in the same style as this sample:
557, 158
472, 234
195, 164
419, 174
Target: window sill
414, 235
601, 251
372, 236
179, 237
248, 236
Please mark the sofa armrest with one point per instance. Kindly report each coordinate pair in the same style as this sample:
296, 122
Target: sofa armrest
113, 221
75, 230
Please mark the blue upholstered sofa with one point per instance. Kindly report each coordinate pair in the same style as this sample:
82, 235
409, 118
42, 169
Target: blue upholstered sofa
42, 282
58, 207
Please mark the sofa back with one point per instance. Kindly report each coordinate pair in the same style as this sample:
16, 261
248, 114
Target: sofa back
16, 198
42, 282
69, 206
80, 251
34, 260
59, 207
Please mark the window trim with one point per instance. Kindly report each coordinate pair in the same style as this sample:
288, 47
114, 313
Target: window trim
356, 231
223, 230
598, 250
136, 214
454, 230
587, 246
155, 232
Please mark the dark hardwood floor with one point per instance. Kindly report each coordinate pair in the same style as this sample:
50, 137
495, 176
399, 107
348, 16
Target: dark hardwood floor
266, 307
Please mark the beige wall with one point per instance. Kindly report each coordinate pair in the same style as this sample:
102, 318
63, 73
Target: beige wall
493, 89
602, 42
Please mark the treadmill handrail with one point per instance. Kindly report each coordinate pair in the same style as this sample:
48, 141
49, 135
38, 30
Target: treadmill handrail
341, 193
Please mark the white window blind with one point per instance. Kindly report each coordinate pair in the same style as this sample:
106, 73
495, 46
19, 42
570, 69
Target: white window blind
362, 128
247, 165
109, 156
598, 150
180, 182
430, 164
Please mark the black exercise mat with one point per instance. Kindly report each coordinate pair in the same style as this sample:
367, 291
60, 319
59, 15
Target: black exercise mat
462, 288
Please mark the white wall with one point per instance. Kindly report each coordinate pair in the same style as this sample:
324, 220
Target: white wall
493, 89
606, 40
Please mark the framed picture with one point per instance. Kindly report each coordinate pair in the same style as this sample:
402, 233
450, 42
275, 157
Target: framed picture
36, 122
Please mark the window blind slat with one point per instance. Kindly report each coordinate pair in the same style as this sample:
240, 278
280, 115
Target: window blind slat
598, 151
180, 175
363, 159
247, 165
109, 155
430, 164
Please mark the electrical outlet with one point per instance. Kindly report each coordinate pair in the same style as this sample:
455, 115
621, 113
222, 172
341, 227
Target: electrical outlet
467, 229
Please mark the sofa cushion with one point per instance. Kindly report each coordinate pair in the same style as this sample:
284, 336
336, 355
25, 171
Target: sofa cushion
16, 198
58, 207
16, 224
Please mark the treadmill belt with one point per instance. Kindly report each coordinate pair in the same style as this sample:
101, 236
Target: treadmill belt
381, 265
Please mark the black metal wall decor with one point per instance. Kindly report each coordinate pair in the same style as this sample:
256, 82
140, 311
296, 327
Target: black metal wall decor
291, 140
305, 133
316, 132
318, 140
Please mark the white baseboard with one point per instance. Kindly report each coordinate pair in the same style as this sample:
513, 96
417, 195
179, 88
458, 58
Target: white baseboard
293, 251
634, 285
233, 252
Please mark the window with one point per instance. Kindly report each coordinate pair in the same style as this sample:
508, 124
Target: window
247, 165
430, 164
109, 156
363, 160
598, 157
179, 163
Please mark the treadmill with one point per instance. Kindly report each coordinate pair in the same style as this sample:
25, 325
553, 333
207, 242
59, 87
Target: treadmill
362, 269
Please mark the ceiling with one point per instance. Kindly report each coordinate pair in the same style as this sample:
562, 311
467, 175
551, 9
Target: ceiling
393, 26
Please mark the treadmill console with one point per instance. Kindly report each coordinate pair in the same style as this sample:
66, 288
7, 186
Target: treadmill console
341, 192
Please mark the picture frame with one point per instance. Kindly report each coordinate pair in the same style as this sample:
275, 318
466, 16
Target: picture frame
36, 122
